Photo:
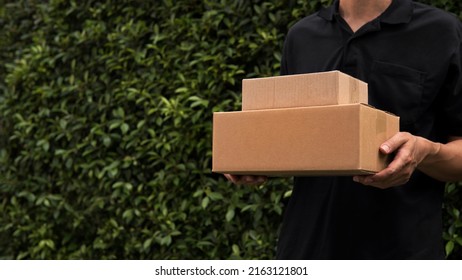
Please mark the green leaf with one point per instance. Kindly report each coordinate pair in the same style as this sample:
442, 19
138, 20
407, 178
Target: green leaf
141, 124
115, 124
128, 215
459, 240
44, 144
230, 214
236, 250
215, 196
124, 128
451, 187
167, 240
205, 202
449, 247
456, 213
147, 243
107, 141
181, 90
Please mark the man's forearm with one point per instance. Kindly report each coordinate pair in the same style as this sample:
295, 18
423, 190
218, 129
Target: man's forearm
444, 161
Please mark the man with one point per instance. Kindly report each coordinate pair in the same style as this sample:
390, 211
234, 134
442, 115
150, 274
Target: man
410, 55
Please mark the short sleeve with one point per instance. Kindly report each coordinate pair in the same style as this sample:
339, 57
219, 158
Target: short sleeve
284, 69
451, 101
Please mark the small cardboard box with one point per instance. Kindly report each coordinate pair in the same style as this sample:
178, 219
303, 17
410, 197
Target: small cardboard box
303, 90
321, 140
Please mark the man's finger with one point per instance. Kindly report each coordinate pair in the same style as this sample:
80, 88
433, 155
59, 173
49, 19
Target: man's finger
394, 142
233, 178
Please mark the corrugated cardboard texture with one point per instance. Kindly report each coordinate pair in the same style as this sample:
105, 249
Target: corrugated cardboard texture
304, 90
322, 140
379, 126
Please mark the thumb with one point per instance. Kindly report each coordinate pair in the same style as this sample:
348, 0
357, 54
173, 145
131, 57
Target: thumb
394, 143
385, 148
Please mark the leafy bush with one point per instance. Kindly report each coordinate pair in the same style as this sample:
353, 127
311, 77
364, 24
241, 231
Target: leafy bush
105, 128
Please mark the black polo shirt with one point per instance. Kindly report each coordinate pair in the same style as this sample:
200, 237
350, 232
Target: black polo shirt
411, 58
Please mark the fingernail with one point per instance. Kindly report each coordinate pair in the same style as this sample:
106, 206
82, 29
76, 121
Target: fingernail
385, 148
356, 179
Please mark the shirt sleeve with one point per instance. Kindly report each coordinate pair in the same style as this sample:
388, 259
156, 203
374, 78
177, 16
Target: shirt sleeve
284, 69
451, 103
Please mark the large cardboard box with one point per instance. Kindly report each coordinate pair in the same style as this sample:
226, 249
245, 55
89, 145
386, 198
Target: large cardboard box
320, 140
303, 90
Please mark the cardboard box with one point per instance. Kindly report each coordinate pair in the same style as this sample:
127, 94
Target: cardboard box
321, 140
304, 90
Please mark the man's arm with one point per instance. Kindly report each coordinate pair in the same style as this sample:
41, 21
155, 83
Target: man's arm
440, 161
446, 164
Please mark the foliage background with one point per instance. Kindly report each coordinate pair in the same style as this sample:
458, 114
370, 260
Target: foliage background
105, 128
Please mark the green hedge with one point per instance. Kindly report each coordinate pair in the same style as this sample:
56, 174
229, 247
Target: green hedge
105, 128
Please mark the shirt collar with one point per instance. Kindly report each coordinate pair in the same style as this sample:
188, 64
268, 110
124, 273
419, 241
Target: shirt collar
400, 11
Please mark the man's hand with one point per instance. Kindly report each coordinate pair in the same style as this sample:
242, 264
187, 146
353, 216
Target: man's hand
246, 179
410, 151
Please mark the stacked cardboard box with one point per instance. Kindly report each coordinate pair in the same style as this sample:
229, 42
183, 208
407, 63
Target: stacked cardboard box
304, 90
309, 124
